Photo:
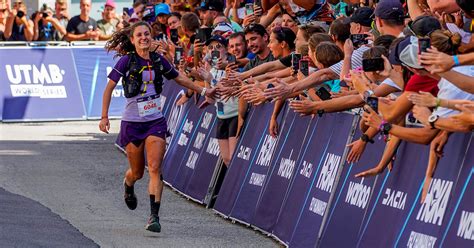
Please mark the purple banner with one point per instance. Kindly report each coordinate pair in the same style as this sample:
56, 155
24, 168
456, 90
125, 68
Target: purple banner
39, 84
175, 121
458, 222
352, 198
314, 146
246, 153
195, 146
323, 183
180, 144
422, 226
399, 195
258, 166
93, 64
202, 174
283, 169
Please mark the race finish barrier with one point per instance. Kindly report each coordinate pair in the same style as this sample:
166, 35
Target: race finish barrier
42, 81
298, 188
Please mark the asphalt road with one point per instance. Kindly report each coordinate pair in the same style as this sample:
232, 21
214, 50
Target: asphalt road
76, 172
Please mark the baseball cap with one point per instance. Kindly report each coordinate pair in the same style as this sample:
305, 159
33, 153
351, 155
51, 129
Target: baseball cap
362, 16
389, 10
162, 9
217, 38
223, 27
406, 53
216, 5
110, 3
423, 25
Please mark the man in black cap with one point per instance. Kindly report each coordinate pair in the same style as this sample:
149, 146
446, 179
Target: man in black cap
422, 26
390, 18
361, 20
209, 10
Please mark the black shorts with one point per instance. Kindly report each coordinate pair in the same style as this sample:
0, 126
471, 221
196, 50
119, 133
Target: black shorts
226, 128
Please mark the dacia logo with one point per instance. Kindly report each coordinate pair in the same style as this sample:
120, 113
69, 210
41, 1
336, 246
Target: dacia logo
395, 199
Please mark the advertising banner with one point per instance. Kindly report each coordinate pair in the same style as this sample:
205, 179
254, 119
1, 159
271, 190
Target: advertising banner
175, 122
422, 227
317, 200
93, 66
39, 84
458, 222
248, 149
353, 197
196, 145
180, 142
398, 197
314, 147
282, 170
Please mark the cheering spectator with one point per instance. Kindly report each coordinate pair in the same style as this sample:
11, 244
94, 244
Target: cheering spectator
82, 27
18, 27
108, 24
61, 13
238, 48
46, 27
282, 42
288, 22
389, 18
257, 43
209, 10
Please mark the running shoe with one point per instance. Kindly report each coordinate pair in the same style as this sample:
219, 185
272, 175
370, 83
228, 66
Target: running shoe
153, 224
130, 198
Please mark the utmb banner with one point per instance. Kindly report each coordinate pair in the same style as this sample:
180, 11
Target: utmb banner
39, 84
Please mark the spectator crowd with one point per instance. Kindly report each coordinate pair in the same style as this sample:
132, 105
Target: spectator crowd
408, 64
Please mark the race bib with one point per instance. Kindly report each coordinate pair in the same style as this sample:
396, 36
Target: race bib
149, 105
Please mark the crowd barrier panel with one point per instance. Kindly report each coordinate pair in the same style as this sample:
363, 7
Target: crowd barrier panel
255, 146
458, 223
93, 64
275, 191
349, 210
39, 84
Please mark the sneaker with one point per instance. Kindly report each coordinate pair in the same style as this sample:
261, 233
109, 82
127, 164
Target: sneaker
153, 224
130, 198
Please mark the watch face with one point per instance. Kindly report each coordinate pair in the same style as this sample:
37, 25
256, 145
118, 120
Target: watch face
432, 118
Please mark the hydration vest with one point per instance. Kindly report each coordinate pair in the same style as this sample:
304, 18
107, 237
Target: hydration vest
132, 81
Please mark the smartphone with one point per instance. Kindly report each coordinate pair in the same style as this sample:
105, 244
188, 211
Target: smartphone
215, 55
359, 39
376, 64
203, 34
304, 67
423, 44
373, 102
323, 93
295, 61
161, 36
231, 58
174, 35
248, 8
258, 3
178, 55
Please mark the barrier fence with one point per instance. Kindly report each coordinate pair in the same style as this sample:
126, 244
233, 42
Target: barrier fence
296, 187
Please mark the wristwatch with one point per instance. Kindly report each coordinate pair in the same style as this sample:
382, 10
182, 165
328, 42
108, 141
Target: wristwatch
365, 138
203, 91
432, 119
367, 94
386, 128
320, 112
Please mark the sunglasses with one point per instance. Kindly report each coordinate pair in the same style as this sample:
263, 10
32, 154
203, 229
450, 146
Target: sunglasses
218, 46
